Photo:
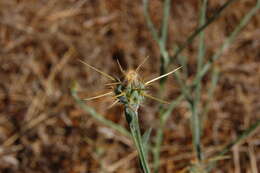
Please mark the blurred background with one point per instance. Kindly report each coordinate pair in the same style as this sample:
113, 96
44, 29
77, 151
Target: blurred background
42, 129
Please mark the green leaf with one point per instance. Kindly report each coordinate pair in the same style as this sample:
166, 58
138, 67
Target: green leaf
145, 139
146, 136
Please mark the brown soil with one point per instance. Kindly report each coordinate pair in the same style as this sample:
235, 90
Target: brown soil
43, 130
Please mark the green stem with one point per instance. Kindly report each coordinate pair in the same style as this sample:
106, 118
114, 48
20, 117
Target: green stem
195, 117
165, 59
210, 93
132, 119
149, 21
196, 131
166, 14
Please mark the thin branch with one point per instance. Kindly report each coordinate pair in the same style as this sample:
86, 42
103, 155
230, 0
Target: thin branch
149, 21
228, 41
249, 131
198, 30
165, 22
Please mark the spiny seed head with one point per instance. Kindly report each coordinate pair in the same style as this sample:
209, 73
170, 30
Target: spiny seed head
131, 91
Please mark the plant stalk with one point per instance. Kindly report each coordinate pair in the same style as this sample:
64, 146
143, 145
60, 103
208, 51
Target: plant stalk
132, 119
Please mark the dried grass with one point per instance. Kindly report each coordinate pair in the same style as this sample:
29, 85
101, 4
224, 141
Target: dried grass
40, 42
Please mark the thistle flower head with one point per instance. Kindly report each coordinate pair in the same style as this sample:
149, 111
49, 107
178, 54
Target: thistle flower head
132, 91
131, 76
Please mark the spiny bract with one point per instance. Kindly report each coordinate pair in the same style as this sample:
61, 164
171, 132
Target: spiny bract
130, 91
